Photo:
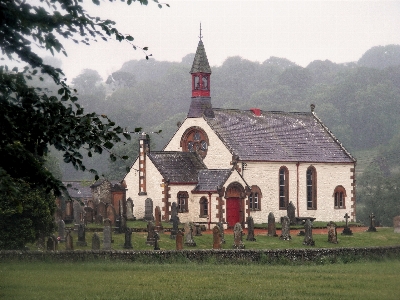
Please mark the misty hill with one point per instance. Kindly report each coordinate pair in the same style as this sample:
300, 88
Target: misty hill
358, 101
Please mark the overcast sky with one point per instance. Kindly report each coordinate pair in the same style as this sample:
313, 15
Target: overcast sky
301, 31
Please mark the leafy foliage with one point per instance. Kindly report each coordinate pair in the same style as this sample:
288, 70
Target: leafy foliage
33, 119
25, 217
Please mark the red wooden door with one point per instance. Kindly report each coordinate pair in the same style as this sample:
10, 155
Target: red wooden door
233, 211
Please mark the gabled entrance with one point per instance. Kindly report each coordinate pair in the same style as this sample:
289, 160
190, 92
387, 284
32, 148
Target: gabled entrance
234, 195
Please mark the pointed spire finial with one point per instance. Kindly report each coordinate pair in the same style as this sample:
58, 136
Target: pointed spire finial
200, 33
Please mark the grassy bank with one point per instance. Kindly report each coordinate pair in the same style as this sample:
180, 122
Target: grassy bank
117, 280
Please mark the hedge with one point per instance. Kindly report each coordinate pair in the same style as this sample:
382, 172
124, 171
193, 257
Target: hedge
279, 256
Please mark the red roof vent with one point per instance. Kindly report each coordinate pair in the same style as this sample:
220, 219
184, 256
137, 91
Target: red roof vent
256, 111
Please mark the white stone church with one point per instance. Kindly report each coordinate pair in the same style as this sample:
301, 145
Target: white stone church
224, 165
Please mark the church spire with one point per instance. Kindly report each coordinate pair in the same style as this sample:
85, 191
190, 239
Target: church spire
201, 72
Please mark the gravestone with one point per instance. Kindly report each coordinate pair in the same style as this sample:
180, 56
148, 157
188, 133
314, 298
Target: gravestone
174, 220
89, 214
41, 242
128, 238
81, 236
291, 213
156, 239
52, 243
148, 210
237, 236
151, 234
250, 229
111, 214
308, 238
157, 214
189, 235
107, 222
332, 233
372, 227
216, 237
61, 230
123, 224
179, 240
99, 220
271, 225
197, 229
69, 242
222, 233
174, 212
285, 235
96, 241
129, 210
101, 209
107, 238
77, 212
118, 225
396, 224
346, 229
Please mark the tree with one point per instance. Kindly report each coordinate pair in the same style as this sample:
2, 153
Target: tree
33, 120
381, 57
34, 215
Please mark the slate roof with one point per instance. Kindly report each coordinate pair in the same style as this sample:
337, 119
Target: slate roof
200, 62
77, 190
176, 166
209, 180
277, 136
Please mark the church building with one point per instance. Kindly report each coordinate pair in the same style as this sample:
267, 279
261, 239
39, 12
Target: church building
224, 165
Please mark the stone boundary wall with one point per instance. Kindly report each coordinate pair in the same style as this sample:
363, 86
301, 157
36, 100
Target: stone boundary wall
229, 256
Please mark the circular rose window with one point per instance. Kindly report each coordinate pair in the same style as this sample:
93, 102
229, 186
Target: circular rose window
195, 140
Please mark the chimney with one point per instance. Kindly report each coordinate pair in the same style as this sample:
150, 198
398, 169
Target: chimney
256, 111
144, 149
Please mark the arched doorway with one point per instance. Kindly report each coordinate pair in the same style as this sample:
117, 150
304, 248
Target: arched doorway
234, 203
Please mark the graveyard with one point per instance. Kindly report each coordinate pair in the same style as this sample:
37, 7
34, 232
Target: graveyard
361, 238
164, 260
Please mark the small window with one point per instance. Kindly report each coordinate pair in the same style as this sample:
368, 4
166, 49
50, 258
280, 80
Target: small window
183, 202
311, 188
255, 198
283, 188
253, 201
203, 207
339, 197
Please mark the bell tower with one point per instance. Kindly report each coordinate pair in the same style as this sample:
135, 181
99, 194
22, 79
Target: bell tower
201, 72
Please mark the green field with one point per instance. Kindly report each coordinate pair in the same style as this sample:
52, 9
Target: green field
118, 280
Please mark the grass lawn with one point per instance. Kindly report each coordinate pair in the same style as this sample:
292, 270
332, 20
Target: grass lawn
118, 280
383, 237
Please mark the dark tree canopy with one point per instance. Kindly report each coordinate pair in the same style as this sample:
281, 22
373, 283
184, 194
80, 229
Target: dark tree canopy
32, 119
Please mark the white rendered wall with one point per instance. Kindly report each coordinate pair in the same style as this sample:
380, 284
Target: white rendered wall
266, 177
218, 157
153, 188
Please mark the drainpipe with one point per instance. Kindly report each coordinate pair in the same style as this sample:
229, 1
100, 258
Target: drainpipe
209, 210
297, 192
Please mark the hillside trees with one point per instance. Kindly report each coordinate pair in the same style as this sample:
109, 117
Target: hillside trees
32, 120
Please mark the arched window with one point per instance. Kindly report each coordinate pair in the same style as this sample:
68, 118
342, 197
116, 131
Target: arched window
311, 188
283, 188
195, 139
203, 207
183, 202
255, 198
339, 196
